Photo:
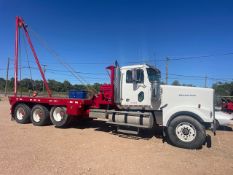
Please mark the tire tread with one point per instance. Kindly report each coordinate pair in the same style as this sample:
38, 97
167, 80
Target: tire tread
174, 140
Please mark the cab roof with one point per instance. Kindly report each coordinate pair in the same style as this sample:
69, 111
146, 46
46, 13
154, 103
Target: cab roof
139, 66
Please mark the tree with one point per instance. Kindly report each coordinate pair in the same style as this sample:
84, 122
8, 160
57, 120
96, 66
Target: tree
96, 86
223, 89
189, 85
2, 83
162, 82
176, 83
66, 86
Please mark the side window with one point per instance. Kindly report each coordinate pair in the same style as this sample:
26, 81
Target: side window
129, 76
140, 76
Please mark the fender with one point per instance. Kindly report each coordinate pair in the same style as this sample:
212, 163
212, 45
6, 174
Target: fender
200, 114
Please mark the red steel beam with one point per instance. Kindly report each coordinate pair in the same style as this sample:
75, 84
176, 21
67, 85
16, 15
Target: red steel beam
112, 70
16, 55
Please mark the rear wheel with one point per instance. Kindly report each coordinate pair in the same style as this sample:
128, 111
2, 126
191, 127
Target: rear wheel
59, 116
186, 132
22, 113
40, 115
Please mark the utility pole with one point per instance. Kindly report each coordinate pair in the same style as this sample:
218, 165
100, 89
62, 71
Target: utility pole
167, 60
7, 71
206, 81
44, 69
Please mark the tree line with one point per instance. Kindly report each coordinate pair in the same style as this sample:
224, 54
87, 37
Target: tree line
177, 83
221, 89
37, 85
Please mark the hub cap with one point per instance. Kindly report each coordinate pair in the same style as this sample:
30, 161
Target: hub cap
59, 114
20, 113
37, 115
186, 132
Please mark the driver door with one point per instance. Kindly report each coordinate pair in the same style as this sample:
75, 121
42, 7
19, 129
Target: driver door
134, 90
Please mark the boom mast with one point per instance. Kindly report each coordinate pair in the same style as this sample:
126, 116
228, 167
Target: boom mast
21, 24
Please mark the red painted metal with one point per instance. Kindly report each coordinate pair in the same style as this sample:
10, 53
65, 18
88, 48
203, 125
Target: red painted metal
20, 23
16, 55
112, 77
105, 98
227, 105
75, 107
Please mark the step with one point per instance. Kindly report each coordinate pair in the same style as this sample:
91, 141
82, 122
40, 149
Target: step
126, 131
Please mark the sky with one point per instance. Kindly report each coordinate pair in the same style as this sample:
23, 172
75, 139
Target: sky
197, 37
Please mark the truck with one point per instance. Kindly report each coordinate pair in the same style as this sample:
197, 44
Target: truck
134, 100
227, 104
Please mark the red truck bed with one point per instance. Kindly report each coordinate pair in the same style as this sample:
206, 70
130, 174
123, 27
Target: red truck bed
74, 107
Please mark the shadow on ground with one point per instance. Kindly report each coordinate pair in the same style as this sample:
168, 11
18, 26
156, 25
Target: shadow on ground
224, 128
144, 134
102, 126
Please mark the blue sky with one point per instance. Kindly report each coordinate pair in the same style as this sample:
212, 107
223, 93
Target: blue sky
102, 31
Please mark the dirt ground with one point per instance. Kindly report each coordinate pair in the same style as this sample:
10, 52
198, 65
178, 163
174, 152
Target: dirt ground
94, 149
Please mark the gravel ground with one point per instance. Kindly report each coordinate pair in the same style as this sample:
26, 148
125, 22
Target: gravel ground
94, 149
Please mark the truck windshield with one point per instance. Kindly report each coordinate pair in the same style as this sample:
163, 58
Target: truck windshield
153, 75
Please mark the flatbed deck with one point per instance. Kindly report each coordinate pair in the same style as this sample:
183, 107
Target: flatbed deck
74, 106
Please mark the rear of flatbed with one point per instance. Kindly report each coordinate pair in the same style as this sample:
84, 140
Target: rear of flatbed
74, 107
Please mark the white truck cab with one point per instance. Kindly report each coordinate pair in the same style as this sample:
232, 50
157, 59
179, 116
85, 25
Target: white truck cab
184, 112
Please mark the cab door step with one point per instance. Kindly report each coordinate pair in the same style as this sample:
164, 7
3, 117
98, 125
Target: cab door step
133, 131
127, 125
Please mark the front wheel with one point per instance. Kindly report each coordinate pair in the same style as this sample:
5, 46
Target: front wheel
186, 132
59, 116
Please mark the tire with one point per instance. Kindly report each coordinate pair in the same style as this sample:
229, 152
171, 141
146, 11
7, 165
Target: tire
59, 117
40, 115
186, 132
22, 113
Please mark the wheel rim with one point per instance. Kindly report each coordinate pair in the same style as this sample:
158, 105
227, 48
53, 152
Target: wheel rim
20, 113
59, 114
37, 115
186, 132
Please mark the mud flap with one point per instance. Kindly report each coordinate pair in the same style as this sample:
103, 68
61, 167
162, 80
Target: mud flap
214, 126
